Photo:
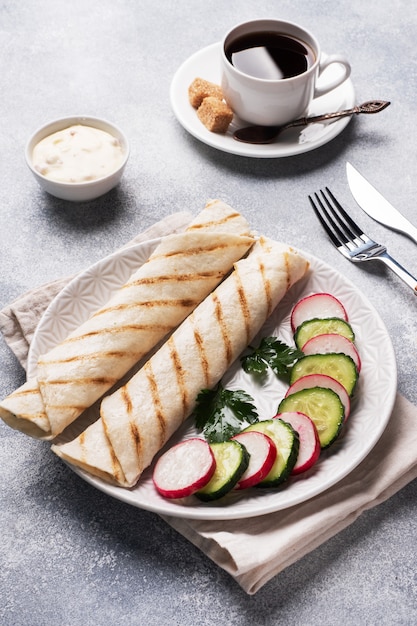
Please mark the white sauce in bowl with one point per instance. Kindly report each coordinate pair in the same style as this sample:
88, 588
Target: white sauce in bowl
77, 154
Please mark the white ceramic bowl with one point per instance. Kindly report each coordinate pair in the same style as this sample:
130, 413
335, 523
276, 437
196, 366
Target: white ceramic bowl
79, 191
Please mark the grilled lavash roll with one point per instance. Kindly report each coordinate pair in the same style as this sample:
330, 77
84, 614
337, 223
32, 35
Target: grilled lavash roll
138, 419
179, 274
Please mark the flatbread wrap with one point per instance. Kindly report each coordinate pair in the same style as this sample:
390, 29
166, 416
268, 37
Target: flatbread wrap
139, 418
178, 275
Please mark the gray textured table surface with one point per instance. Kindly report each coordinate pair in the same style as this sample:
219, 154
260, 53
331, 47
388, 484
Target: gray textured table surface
69, 554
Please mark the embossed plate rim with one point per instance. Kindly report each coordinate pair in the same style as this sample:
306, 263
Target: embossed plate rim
371, 411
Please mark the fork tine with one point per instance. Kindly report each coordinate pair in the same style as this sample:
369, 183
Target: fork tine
341, 227
328, 226
338, 231
355, 228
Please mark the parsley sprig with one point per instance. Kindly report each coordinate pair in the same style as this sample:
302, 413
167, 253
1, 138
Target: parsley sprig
271, 353
221, 413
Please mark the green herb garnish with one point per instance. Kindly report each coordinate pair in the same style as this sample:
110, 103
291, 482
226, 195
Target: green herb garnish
271, 353
220, 413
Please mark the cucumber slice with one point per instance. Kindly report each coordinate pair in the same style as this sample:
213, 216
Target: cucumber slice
232, 460
338, 366
287, 444
312, 328
323, 406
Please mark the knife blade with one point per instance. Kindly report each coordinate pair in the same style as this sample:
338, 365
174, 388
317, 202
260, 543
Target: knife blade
375, 205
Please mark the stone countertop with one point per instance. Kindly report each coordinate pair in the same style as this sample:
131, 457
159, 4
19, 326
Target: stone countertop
69, 554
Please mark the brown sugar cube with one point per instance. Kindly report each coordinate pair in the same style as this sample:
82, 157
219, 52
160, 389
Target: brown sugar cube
215, 114
200, 89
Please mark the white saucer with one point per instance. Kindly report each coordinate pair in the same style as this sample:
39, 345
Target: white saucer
206, 64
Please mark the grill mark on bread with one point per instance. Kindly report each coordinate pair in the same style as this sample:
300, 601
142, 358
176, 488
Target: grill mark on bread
31, 417
243, 306
267, 288
218, 314
179, 374
156, 400
177, 278
94, 355
287, 269
214, 223
110, 331
263, 272
203, 356
116, 467
180, 302
126, 399
215, 247
24, 392
135, 435
101, 380
134, 430
116, 471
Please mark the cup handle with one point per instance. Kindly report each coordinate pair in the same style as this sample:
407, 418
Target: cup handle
329, 85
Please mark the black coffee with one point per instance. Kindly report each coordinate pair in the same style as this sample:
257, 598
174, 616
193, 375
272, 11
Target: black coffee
269, 55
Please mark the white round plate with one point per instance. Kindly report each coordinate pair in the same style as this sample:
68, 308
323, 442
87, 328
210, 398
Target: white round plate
206, 64
371, 407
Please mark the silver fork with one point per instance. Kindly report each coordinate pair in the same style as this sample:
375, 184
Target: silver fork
350, 240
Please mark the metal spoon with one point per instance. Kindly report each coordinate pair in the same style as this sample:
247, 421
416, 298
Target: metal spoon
266, 134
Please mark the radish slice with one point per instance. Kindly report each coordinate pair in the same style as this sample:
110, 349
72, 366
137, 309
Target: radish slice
322, 380
324, 344
321, 305
184, 469
310, 448
262, 451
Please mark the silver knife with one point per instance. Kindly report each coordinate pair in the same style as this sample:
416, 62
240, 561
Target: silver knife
375, 205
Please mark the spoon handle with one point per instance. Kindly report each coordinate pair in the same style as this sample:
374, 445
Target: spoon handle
372, 106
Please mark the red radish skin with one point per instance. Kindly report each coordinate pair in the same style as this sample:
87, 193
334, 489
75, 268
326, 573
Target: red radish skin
328, 343
322, 380
309, 451
317, 305
262, 451
184, 469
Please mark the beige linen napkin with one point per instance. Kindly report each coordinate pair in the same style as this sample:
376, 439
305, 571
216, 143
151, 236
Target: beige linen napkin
256, 549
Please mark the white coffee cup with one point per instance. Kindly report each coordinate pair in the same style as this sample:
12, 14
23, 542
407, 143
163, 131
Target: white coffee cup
275, 100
